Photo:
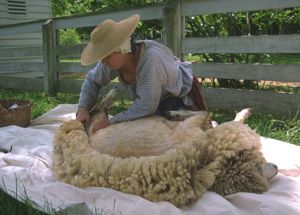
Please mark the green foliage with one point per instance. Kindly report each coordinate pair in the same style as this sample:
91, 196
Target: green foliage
149, 29
69, 37
285, 21
71, 7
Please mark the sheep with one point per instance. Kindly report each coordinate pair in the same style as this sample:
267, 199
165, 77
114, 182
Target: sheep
160, 159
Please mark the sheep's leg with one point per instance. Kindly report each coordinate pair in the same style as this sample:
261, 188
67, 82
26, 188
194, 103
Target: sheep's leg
242, 115
106, 102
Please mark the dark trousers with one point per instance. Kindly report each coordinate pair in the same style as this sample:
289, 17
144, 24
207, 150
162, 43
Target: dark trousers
176, 103
169, 103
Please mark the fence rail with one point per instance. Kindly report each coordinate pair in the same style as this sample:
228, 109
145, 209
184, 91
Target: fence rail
146, 13
243, 44
172, 15
271, 72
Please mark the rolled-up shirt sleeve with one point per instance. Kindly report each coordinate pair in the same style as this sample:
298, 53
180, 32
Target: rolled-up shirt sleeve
149, 84
99, 76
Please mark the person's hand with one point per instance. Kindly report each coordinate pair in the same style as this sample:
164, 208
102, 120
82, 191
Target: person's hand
83, 115
97, 125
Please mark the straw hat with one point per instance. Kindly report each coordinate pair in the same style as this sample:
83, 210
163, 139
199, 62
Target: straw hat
107, 37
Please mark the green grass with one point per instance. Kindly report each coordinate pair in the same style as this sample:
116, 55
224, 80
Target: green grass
264, 124
280, 129
287, 130
9, 204
41, 102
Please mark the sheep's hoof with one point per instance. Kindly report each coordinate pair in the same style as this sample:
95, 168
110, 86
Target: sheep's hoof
270, 170
180, 115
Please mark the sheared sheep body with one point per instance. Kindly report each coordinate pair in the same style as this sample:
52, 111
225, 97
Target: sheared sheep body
162, 160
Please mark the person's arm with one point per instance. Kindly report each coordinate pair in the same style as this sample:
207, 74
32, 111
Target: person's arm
94, 80
149, 85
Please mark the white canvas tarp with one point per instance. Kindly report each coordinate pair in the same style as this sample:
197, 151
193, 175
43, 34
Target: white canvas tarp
25, 172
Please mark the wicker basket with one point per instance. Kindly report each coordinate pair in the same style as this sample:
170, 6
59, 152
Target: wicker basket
19, 116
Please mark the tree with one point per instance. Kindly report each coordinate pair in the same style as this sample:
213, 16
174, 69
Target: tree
71, 7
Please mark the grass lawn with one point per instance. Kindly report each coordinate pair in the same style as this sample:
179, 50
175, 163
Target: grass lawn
266, 125
10, 206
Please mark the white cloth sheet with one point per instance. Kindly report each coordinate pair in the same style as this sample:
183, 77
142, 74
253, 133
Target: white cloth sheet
25, 172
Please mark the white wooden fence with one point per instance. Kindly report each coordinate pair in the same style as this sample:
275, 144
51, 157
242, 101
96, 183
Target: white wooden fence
172, 15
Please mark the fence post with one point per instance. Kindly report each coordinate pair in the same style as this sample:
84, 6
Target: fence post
172, 26
50, 59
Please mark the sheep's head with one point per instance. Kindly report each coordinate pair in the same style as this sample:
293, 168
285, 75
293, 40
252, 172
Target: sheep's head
245, 172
